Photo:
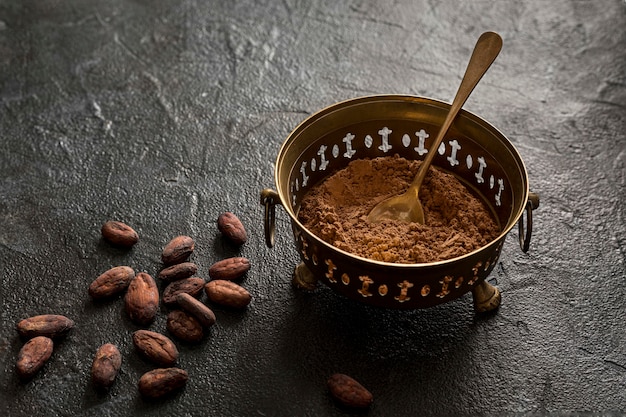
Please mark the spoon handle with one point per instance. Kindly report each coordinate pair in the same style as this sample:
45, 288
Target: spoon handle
485, 52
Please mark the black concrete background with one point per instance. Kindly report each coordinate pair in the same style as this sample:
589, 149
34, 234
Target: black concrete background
165, 113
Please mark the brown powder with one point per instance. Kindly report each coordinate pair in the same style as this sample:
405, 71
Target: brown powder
457, 222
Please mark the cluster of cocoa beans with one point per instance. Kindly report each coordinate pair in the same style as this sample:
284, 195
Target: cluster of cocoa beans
187, 320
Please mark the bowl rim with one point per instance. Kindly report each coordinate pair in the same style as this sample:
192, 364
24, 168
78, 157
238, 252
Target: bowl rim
402, 97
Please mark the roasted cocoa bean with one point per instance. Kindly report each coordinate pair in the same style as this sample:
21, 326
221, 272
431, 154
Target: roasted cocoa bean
196, 308
155, 347
184, 326
111, 282
178, 271
231, 228
160, 382
49, 325
230, 268
33, 356
106, 365
227, 293
119, 234
192, 286
177, 250
142, 299
349, 392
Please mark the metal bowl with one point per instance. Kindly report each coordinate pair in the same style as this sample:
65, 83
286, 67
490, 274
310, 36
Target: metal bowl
374, 126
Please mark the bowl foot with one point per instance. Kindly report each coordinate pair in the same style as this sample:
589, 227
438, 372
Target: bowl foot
486, 297
303, 278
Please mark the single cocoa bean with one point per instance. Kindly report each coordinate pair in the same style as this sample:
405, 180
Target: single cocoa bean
142, 299
184, 326
349, 392
155, 347
227, 293
196, 308
178, 271
160, 382
230, 268
111, 282
119, 234
33, 356
231, 228
106, 365
192, 286
177, 250
49, 325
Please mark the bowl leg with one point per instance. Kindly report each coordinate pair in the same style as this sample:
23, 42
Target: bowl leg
303, 278
486, 297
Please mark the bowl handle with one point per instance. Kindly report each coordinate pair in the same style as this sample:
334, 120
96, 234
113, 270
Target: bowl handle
269, 199
525, 232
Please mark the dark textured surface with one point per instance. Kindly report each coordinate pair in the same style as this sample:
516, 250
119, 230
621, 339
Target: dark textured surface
163, 114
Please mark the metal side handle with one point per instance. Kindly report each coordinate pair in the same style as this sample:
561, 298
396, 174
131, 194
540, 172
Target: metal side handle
526, 228
269, 199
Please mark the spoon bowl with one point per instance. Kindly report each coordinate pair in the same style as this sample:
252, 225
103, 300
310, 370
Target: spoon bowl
402, 207
407, 207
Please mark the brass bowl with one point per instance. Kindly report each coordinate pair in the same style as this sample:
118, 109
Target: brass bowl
369, 127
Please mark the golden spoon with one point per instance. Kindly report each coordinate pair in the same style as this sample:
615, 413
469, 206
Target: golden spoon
407, 207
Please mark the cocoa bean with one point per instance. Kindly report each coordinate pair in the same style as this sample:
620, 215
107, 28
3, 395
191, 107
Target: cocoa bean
192, 286
155, 347
106, 365
178, 271
184, 326
349, 392
33, 356
227, 293
49, 325
111, 282
163, 381
177, 250
119, 234
230, 268
196, 308
142, 299
231, 228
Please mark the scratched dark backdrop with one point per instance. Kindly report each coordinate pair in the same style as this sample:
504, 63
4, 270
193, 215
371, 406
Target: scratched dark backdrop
164, 113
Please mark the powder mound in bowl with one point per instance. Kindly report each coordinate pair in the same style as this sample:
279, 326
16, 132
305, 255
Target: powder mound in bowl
336, 209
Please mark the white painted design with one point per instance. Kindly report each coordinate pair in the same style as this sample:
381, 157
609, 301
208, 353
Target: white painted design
469, 161
499, 194
335, 151
481, 167
384, 134
348, 141
406, 140
442, 148
313, 164
322, 155
305, 178
492, 181
421, 137
454, 145
369, 141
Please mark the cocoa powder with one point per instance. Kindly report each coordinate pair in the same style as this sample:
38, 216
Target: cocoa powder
457, 222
